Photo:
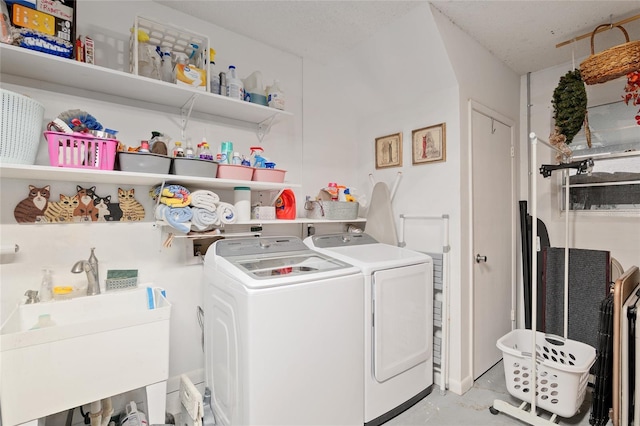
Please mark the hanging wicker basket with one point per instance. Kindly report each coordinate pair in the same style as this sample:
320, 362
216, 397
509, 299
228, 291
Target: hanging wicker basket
611, 63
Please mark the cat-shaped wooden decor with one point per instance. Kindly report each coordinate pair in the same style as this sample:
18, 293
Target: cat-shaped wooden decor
32, 208
62, 211
131, 208
85, 212
106, 211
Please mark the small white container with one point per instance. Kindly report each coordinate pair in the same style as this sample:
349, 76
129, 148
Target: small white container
242, 202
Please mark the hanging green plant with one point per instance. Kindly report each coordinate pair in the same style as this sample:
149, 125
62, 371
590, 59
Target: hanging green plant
570, 104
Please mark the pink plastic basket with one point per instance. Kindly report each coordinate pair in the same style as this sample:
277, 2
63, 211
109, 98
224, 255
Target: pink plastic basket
81, 151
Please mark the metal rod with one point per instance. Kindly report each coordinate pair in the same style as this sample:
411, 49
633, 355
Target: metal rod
534, 267
615, 24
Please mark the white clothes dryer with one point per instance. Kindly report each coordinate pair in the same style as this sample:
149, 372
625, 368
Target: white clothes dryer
283, 334
398, 326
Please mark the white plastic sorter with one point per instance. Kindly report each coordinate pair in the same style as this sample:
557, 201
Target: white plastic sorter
170, 37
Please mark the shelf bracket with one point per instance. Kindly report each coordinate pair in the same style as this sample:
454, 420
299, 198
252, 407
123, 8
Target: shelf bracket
264, 126
185, 113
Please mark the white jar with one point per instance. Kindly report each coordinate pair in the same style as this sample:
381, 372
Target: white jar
242, 203
235, 87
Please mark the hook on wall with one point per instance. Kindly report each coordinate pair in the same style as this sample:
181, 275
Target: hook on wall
493, 126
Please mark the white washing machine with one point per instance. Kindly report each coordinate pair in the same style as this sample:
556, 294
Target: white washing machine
398, 326
283, 334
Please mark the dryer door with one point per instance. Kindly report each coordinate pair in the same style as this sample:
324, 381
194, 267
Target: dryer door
402, 319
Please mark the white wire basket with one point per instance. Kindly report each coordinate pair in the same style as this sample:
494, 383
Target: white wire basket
562, 370
20, 128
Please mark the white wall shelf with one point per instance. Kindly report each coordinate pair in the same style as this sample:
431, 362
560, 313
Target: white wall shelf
25, 63
28, 172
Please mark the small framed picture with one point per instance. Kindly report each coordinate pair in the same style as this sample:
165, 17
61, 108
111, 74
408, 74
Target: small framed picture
429, 144
389, 151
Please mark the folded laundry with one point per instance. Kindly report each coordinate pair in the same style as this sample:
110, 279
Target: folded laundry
205, 199
203, 219
227, 213
172, 195
176, 217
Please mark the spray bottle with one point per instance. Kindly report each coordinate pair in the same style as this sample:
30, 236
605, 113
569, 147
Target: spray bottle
258, 159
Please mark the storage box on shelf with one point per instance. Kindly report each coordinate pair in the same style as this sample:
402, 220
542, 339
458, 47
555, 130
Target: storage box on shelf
143, 162
194, 46
332, 210
81, 151
234, 171
261, 174
194, 167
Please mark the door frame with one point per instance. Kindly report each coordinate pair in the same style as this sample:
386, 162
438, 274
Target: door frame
488, 112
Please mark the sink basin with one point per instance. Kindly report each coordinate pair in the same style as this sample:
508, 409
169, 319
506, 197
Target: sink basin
97, 347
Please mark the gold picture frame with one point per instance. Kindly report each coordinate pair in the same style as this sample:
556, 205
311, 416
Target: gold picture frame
429, 144
389, 151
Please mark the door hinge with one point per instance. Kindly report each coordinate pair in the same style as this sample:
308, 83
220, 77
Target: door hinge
513, 152
513, 315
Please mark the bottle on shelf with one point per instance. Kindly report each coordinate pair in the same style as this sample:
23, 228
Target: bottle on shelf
275, 96
214, 77
166, 69
206, 152
46, 286
235, 87
236, 159
177, 151
188, 150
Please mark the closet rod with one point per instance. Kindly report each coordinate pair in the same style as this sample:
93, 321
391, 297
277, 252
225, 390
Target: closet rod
624, 21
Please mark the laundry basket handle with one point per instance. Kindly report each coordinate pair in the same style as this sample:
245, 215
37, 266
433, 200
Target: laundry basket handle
626, 34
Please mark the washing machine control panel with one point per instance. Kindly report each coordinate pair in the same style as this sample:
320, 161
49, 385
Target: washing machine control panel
346, 239
259, 245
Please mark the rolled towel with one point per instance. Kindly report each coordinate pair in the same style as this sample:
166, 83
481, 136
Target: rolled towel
205, 199
227, 213
176, 217
203, 219
172, 195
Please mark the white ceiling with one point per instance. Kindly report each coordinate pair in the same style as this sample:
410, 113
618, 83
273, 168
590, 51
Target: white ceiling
522, 33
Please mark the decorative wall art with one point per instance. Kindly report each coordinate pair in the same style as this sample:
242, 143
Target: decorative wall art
389, 151
429, 144
83, 206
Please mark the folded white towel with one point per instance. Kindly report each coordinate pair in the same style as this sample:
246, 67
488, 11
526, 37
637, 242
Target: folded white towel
205, 199
227, 213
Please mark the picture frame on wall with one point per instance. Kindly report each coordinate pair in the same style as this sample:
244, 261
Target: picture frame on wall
389, 151
429, 144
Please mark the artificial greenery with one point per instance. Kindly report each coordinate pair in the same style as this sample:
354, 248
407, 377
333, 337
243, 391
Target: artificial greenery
570, 104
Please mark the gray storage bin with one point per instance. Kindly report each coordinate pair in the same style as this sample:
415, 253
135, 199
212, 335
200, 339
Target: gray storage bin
333, 210
194, 167
143, 162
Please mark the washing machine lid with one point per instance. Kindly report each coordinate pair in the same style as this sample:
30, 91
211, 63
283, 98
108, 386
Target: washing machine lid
275, 261
364, 251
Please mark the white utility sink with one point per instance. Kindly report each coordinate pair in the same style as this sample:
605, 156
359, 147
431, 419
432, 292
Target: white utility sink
98, 346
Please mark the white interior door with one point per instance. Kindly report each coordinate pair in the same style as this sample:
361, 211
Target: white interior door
493, 204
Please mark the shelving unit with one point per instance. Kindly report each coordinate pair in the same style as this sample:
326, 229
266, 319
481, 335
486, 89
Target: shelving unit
25, 63
22, 64
61, 174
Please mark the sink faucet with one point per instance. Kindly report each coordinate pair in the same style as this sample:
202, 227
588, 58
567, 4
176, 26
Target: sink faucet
91, 268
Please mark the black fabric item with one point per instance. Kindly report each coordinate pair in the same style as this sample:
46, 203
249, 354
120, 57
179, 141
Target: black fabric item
602, 397
631, 317
589, 276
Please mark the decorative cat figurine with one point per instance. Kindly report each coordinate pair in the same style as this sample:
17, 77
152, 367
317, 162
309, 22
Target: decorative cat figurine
102, 207
62, 211
131, 208
32, 208
85, 212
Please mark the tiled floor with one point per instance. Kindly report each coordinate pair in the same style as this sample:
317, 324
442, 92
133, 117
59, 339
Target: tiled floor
472, 408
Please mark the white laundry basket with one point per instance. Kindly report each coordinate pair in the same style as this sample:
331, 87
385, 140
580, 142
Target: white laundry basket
20, 128
562, 370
